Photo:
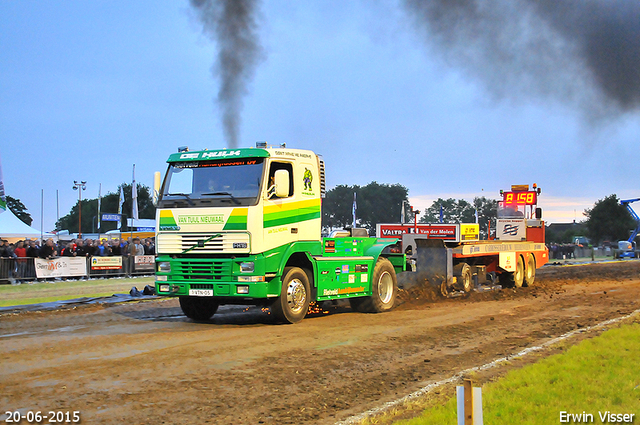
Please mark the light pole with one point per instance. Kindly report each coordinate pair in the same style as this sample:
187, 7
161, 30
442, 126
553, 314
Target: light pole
79, 186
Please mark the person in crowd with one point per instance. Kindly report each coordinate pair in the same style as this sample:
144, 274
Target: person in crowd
115, 247
20, 251
81, 248
91, 248
149, 247
138, 249
126, 256
48, 250
70, 250
5, 250
105, 249
21, 254
32, 250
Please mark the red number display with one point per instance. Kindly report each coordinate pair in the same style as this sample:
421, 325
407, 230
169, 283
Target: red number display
520, 198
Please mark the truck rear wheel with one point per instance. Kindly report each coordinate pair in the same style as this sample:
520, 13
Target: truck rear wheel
293, 303
384, 289
530, 271
198, 308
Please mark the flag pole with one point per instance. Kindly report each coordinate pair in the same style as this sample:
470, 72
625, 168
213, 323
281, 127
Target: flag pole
355, 207
99, 207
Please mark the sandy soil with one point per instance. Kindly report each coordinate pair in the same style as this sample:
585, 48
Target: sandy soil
145, 363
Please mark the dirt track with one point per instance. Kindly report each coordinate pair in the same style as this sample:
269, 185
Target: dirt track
146, 363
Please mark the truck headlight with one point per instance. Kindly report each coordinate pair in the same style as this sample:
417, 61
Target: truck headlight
164, 267
251, 279
247, 267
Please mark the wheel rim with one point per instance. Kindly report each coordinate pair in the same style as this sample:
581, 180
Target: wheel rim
385, 287
519, 273
466, 282
296, 295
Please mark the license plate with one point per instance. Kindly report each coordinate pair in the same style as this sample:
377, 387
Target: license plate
201, 292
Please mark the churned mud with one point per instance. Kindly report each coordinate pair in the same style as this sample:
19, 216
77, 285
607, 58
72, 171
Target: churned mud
146, 363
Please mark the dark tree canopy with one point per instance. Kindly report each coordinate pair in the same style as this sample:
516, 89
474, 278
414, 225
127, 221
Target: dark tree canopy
608, 221
19, 209
109, 204
376, 203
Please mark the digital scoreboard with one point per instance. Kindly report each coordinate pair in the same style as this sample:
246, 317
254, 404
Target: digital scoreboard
513, 199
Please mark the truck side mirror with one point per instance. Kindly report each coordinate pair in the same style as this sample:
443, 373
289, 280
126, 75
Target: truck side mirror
156, 188
281, 179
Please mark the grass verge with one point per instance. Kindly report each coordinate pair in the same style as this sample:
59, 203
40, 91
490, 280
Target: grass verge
597, 375
41, 292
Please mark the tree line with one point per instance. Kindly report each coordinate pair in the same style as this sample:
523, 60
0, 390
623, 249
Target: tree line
382, 203
108, 204
376, 203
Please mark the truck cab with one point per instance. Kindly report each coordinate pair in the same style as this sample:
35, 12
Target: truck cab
243, 226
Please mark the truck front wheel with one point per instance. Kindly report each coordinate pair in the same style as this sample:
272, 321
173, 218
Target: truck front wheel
293, 303
384, 290
198, 308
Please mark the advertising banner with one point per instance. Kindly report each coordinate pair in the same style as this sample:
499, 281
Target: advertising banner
449, 232
61, 267
106, 263
144, 262
111, 217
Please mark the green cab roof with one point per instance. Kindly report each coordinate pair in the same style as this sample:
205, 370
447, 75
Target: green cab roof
218, 154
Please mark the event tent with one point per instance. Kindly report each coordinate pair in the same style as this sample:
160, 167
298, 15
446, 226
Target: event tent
12, 228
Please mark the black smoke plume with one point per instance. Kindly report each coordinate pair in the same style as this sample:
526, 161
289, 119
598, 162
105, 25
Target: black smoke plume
232, 25
585, 52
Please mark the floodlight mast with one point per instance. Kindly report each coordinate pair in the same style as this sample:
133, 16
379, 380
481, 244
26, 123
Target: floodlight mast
79, 186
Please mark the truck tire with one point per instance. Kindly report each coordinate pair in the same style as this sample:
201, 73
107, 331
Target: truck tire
198, 308
530, 271
293, 303
384, 290
463, 272
518, 275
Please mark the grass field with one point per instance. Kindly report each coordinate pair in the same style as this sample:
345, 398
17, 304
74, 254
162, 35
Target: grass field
596, 376
41, 292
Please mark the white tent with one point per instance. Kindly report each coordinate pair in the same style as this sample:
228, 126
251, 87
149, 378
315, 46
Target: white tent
11, 227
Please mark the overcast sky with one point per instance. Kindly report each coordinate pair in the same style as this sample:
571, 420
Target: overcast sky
385, 90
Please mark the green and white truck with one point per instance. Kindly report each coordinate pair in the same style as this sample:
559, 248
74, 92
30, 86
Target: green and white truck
243, 226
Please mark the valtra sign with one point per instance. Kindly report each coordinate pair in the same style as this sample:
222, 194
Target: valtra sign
448, 232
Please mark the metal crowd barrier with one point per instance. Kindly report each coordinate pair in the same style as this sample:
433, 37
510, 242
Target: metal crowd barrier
30, 269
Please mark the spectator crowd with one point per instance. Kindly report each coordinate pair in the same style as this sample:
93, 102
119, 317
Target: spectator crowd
14, 257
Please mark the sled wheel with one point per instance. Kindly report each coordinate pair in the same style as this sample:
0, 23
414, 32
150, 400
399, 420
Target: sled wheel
530, 271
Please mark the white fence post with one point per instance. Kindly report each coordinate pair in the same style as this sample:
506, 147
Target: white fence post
469, 400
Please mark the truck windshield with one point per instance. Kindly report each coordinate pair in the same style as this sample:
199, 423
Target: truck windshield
212, 183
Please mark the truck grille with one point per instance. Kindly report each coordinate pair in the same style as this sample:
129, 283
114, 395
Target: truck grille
200, 243
201, 286
203, 270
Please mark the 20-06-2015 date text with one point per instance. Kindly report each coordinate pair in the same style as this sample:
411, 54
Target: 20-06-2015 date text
38, 417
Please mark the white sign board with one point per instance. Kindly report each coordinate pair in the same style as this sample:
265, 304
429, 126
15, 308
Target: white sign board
60, 267
511, 229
